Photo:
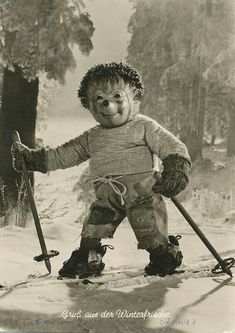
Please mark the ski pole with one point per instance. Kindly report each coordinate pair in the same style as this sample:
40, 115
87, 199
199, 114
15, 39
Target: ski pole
223, 264
45, 255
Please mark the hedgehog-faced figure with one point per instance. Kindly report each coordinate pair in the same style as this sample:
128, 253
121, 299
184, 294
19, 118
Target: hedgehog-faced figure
121, 152
112, 93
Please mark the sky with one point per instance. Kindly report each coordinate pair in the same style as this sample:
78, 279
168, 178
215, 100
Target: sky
110, 41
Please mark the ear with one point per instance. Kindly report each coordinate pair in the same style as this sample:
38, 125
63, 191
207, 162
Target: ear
137, 95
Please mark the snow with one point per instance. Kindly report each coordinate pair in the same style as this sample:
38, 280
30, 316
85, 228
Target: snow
176, 304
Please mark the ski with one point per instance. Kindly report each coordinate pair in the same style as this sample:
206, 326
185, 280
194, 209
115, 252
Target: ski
116, 278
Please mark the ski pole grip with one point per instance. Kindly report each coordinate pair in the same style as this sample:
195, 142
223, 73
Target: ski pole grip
16, 136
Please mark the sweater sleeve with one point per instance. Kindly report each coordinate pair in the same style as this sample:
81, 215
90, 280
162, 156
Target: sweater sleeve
71, 153
162, 142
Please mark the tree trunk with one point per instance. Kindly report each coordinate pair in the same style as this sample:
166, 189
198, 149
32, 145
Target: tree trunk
195, 99
201, 120
191, 142
191, 137
195, 132
18, 112
212, 142
231, 129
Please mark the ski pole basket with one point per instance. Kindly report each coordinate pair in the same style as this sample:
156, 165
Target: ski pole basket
46, 256
223, 266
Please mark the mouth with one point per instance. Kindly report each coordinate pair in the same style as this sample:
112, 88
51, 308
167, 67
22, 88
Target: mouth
109, 116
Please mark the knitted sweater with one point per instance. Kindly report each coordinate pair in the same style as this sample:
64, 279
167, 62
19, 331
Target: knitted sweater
127, 149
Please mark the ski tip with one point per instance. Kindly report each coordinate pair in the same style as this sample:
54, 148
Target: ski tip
48, 265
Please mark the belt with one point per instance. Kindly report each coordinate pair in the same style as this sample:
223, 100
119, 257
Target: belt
113, 182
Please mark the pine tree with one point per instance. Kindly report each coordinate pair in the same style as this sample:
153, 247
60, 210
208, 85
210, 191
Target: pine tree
221, 77
173, 43
36, 37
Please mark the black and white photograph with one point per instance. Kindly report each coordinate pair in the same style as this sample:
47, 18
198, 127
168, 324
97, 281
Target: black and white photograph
117, 166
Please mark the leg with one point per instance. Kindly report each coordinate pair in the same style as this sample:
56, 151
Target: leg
149, 222
146, 212
148, 217
106, 213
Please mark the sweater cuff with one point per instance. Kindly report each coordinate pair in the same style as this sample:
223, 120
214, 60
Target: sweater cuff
37, 161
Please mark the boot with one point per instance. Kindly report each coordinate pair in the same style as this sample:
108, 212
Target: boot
165, 258
84, 262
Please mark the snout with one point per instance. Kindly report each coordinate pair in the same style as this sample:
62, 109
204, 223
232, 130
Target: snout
106, 102
109, 109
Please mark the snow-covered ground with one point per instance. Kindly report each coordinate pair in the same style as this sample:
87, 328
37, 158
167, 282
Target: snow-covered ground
177, 304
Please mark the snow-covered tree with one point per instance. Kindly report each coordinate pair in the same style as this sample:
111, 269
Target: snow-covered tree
221, 77
48, 89
35, 36
173, 43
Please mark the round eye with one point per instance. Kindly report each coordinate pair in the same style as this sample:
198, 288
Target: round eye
99, 98
117, 96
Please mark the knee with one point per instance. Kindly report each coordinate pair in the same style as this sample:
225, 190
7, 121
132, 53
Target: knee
146, 224
143, 222
101, 215
141, 214
89, 243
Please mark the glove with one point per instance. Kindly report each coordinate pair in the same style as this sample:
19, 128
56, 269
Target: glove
35, 159
174, 177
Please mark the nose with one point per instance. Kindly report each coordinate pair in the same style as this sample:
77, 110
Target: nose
106, 102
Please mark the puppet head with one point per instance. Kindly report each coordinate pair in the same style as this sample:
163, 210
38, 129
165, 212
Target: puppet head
112, 93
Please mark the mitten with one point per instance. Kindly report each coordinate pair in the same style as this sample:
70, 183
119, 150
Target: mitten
35, 159
174, 177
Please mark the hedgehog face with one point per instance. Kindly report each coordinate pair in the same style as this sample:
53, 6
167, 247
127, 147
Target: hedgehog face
113, 105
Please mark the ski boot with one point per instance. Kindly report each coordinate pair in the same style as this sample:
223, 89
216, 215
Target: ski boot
84, 262
165, 258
